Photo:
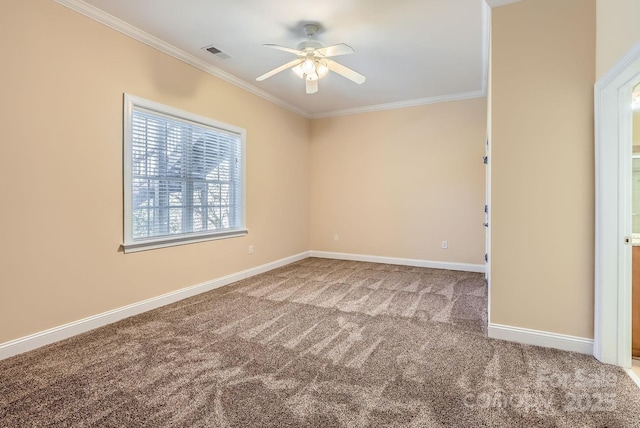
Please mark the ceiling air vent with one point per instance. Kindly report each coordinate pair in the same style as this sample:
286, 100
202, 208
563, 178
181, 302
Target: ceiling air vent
217, 52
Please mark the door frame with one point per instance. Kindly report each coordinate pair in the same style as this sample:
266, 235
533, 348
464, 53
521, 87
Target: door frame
613, 149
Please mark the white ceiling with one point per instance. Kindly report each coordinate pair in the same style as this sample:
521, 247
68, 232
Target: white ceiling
411, 51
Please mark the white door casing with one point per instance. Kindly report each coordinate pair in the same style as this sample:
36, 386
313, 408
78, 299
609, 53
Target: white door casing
613, 149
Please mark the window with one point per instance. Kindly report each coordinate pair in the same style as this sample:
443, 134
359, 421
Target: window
183, 177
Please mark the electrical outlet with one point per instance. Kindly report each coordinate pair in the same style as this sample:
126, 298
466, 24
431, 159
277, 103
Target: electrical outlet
250, 249
445, 245
336, 237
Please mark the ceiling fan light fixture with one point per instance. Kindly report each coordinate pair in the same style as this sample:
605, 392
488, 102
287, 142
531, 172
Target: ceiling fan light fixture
322, 69
298, 71
309, 66
311, 69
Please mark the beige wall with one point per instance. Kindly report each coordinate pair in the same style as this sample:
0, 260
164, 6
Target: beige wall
543, 63
618, 29
63, 76
397, 183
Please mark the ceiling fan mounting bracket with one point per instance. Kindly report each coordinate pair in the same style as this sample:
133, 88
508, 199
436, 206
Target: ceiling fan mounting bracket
310, 29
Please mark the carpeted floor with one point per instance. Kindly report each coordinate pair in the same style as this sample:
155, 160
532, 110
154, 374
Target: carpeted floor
316, 343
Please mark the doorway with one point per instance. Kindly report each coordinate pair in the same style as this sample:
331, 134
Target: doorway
613, 243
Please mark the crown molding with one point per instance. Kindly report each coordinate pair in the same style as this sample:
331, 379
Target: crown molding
127, 29
146, 38
497, 3
401, 104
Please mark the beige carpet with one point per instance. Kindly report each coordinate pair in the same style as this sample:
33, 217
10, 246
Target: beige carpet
316, 343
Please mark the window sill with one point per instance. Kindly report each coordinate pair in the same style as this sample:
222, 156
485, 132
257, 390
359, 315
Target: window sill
134, 247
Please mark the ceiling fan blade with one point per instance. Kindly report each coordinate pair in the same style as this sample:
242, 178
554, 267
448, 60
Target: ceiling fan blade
312, 86
335, 50
346, 72
282, 48
279, 69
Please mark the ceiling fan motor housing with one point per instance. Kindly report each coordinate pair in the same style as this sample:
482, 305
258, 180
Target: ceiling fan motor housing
309, 44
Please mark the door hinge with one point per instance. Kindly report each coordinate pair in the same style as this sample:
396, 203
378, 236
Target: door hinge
486, 209
485, 224
486, 258
485, 159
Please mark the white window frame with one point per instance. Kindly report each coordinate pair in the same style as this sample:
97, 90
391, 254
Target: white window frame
130, 245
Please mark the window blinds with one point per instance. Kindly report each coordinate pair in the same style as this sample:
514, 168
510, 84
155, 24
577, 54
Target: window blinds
185, 177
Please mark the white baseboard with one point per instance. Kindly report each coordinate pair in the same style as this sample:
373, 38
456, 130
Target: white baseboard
541, 338
465, 267
46, 337
55, 334
633, 376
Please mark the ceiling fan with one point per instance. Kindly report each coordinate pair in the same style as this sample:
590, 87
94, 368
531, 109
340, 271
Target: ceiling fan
313, 63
